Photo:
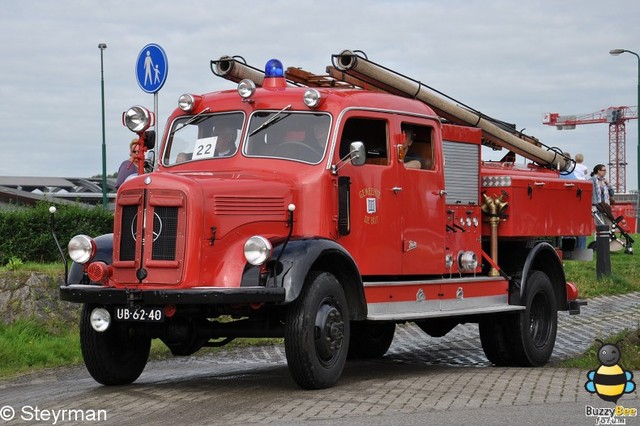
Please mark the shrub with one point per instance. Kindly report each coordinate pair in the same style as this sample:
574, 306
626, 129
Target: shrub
14, 263
25, 234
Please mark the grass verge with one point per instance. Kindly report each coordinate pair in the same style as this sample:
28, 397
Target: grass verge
26, 345
628, 341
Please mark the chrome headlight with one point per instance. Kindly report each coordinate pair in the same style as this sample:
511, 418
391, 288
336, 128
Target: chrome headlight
246, 88
81, 249
186, 102
137, 119
257, 250
311, 98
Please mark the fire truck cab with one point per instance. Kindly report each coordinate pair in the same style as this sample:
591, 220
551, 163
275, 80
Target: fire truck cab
326, 216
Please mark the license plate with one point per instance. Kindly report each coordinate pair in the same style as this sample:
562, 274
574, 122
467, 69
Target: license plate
139, 314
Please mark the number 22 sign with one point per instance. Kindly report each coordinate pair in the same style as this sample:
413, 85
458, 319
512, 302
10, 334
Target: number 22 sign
205, 147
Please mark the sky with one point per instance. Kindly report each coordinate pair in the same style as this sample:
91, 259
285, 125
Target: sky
512, 60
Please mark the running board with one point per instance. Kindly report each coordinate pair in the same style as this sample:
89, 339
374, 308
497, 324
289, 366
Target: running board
409, 316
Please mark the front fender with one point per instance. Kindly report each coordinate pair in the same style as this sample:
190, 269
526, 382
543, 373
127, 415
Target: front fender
104, 253
300, 256
544, 257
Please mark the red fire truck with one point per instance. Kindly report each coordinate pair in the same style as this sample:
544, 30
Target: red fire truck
325, 210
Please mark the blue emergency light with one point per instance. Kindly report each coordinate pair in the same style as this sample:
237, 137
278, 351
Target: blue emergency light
274, 68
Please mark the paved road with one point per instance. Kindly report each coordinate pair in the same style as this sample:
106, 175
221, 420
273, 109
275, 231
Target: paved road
422, 380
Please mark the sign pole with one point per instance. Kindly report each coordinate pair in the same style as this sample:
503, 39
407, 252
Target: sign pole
155, 111
105, 203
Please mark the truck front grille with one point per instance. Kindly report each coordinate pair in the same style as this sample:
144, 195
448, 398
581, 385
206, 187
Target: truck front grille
149, 236
165, 230
127, 237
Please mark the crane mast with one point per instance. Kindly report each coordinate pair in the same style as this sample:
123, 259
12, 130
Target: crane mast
617, 118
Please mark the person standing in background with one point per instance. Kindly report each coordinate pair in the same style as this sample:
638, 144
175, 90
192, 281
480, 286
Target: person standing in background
602, 192
128, 167
580, 170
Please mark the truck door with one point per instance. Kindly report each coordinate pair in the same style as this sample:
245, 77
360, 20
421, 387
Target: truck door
374, 239
421, 195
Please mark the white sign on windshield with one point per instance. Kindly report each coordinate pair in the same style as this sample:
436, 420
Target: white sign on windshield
205, 147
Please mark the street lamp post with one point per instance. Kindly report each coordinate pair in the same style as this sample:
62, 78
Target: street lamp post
103, 46
616, 52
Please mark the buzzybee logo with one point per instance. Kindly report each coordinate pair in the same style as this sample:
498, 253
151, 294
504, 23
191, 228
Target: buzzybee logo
609, 381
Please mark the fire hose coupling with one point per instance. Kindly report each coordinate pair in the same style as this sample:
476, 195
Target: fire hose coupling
494, 206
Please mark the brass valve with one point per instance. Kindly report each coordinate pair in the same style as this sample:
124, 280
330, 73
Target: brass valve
493, 207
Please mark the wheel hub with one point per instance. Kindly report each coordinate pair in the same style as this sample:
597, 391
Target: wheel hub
329, 332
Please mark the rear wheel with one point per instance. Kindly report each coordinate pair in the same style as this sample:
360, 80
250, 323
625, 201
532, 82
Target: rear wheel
532, 334
527, 338
116, 356
317, 332
370, 339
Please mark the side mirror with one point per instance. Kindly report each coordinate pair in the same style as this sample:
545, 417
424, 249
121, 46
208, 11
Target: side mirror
357, 154
149, 161
150, 139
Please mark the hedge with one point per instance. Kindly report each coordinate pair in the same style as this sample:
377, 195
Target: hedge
25, 234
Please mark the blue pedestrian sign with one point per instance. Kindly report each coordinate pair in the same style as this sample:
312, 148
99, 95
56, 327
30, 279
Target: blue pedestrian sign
152, 68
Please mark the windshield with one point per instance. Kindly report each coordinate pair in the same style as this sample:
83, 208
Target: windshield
300, 136
203, 137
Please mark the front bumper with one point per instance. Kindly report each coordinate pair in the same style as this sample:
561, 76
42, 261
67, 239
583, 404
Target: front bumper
81, 293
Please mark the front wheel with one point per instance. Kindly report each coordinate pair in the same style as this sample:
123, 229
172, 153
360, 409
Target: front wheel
116, 356
317, 332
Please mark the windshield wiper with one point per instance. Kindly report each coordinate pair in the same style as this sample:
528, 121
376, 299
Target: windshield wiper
189, 121
270, 120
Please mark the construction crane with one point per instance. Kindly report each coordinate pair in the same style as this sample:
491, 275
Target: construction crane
617, 118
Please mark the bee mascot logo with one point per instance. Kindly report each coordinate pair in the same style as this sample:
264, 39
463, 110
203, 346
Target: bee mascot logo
609, 381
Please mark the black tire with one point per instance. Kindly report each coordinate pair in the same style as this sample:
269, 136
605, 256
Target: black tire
114, 357
532, 333
493, 336
370, 339
316, 338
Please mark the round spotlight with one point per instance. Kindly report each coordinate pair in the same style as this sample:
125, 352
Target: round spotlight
137, 119
312, 98
246, 88
186, 102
